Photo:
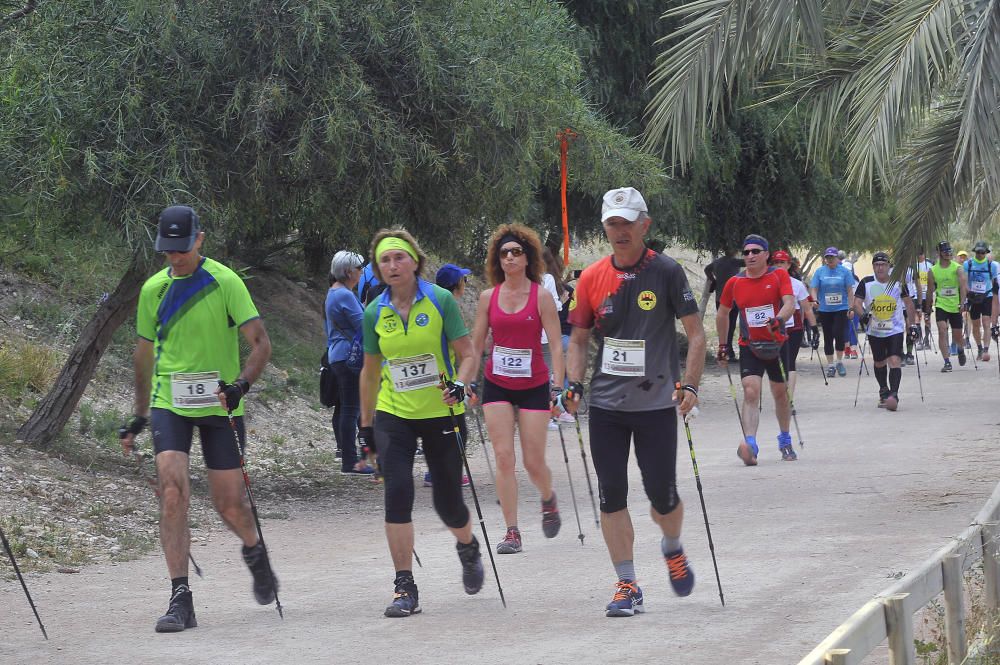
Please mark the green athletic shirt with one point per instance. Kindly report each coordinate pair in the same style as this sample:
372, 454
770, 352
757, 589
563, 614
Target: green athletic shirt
193, 322
402, 343
946, 292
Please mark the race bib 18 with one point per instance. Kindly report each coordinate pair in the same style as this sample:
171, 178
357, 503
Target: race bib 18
194, 390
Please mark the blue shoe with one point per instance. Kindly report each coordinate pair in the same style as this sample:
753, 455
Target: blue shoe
359, 469
788, 453
427, 480
681, 573
404, 602
841, 370
472, 566
626, 601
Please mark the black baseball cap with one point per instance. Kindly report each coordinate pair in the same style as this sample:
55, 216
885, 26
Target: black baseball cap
944, 247
881, 257
177, 229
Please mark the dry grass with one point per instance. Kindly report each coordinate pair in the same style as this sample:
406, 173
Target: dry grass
26, 367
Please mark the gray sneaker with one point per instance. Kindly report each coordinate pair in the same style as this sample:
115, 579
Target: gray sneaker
511, 543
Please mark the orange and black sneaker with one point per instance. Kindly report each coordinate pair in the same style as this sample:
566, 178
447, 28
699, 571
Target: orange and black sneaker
681, 573
627, 600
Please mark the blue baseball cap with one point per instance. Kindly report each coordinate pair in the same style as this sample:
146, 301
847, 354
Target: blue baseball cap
450, 275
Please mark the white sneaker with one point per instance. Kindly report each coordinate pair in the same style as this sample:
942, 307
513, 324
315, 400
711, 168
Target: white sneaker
566, 418
553, 425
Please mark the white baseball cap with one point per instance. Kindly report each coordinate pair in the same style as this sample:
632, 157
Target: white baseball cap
624, 202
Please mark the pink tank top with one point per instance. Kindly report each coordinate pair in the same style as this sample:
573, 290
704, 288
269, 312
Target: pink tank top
515, 359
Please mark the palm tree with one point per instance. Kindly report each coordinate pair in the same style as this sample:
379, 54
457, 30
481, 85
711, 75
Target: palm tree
907, 89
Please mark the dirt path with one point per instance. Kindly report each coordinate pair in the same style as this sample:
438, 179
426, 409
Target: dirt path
800, 547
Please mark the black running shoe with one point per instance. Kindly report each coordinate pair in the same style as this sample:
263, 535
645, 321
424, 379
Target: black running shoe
180, 612
961, 357
265, 583
472, 566
404, 601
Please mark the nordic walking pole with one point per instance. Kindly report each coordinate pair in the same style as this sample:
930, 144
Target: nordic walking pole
701, 494
788, 394
586, 470
417, 558
13, 562
572, 493
482, 440
858, 389
475, 496
253, 504
732, 391
920, 380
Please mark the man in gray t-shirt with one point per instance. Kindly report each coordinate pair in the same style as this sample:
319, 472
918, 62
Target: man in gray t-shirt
632, 299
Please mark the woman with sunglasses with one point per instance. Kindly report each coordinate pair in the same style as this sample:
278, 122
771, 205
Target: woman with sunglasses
414, 336
516, 310
832, 287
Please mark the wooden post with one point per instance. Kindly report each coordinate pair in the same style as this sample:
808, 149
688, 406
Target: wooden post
837, 656
991, 567
899, 625
954, 608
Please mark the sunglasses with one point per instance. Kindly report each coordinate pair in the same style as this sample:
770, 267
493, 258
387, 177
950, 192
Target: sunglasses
513, 251
755, 252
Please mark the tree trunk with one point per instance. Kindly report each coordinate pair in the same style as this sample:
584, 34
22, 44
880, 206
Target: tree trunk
703, 303
54, 410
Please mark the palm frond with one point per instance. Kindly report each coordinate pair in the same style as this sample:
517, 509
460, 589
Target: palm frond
979, 138
907, 47
718, 43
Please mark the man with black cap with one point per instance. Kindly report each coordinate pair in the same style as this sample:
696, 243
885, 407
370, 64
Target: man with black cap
632, 299
981, 273
947, 284
764, 297
187, 375
885, 308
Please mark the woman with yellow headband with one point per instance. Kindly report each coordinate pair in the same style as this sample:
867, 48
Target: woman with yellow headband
414, 333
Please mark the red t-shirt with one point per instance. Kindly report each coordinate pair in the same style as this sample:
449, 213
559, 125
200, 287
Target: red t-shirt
758, 299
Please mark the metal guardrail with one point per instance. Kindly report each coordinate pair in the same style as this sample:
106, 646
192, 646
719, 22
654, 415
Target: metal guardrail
889, 615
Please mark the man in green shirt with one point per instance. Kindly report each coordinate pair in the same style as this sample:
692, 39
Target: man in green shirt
187, 375
947, 284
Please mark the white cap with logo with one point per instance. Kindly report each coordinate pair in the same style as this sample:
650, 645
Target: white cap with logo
624, 202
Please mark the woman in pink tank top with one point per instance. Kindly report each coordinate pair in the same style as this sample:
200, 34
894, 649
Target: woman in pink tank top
516, 311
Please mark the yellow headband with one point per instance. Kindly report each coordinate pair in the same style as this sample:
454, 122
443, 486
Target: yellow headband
392, 242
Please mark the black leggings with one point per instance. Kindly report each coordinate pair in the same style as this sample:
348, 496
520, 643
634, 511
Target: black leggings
655, 436
396, 440
834, 326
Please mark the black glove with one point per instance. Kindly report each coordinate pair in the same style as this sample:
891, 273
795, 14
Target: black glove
574, 393
814, 337
133, 426
865, 318
995, 332
234, 392
913, 335
456, 389
366, 440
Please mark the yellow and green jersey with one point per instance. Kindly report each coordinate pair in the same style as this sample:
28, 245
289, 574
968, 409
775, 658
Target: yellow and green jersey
415, 351
946, 292
193, 322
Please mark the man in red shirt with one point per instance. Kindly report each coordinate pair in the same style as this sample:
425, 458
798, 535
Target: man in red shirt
764, 298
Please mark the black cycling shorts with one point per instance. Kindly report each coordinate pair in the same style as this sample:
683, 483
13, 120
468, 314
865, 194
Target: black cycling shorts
655, 437
984, 308
529, 399
953, 318
883, 347
396, 440
218, 447
751, 365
